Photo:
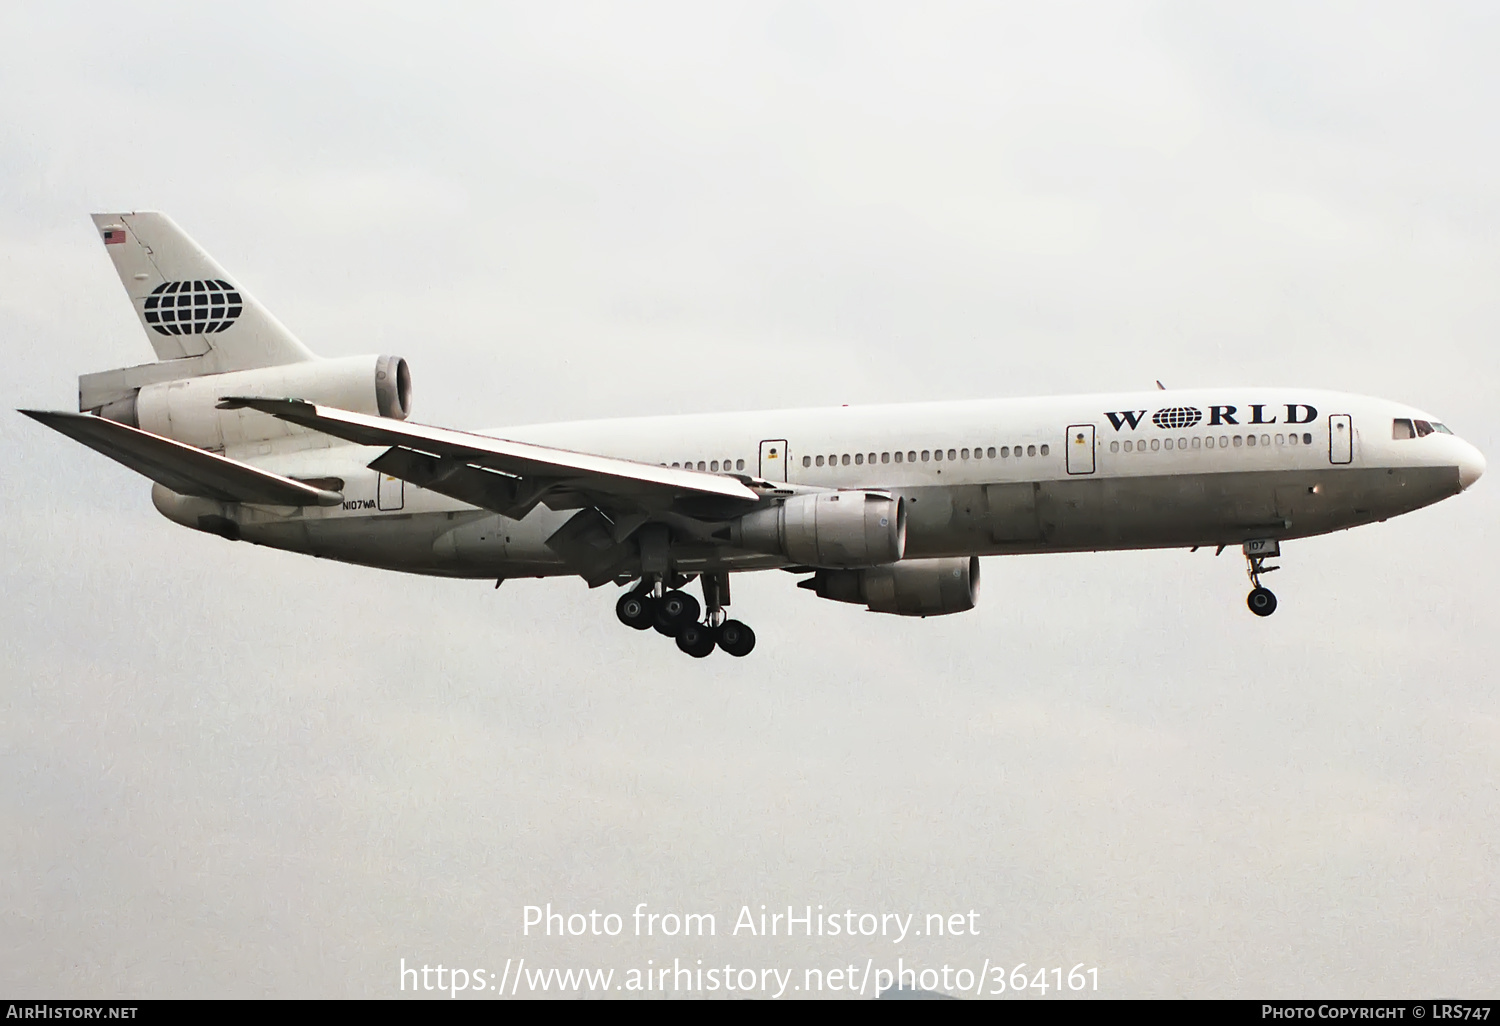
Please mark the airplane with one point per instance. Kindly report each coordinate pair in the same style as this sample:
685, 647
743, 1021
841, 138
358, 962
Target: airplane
248, 435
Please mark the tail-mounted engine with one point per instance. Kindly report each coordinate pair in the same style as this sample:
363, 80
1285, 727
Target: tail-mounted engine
186, 409
833, 529
914, 587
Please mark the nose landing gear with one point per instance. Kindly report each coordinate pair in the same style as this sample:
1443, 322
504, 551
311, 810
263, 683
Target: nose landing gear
1261, 600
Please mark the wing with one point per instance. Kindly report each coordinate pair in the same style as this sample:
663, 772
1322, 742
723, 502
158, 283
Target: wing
512, 477
183, 468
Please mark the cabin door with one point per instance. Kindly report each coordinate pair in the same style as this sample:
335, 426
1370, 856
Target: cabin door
1340, 439
1080, 448
773, 459
390, 492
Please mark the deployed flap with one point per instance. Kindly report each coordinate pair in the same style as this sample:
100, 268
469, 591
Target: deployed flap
513, 497
566, 471
182, 468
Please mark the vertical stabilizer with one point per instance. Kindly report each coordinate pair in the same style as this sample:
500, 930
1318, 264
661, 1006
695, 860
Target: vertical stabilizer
189, 306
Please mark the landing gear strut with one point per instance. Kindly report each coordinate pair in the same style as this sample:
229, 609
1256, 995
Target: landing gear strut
662, 604
732, 636
1261, 600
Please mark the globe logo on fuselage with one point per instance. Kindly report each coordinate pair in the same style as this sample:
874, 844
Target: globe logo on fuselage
1174, 417
192, 307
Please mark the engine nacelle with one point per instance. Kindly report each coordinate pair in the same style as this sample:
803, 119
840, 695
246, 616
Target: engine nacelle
914, 587
836, 529
186, 410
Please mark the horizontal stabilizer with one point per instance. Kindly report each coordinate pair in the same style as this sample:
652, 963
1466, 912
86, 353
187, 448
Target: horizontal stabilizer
183, 468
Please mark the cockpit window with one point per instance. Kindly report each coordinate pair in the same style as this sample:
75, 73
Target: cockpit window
1401, 428
1441, 427
1423, 428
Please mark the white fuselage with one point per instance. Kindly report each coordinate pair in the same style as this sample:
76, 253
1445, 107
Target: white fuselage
1134, 470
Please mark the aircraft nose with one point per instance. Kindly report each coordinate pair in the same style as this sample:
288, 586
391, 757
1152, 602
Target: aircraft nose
1470, 466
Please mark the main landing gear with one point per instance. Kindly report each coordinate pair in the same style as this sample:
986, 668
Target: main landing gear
1261, 600
676, 614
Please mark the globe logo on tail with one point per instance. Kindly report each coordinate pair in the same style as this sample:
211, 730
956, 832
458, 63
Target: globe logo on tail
192, 307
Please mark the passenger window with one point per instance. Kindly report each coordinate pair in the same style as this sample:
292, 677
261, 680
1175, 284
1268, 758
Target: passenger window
1292, 439
1182, 443
859, 459
1249, 439
1005, 450
1307, 438
714, 466
1155, 444
870, 458
1167, 445
952, 454
701, 466
885, 457
926, 454
679, 465
1423, 428
1197, 443
963, 453
1114, 446
1031, 450
937, 454
1045, 450
898, 457
911, 455
820, 461
739, 464
992, 452
1208, 443
1239, 440
1129, 446
845, 460
1280, 439
1265, 439
807, 461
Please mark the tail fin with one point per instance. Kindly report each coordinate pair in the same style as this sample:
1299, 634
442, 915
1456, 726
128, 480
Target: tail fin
189, 307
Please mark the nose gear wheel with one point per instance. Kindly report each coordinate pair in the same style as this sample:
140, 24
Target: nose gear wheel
1261, 600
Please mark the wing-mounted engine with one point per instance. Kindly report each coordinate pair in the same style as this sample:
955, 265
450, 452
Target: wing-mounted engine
914, 587
832, 529
187, 410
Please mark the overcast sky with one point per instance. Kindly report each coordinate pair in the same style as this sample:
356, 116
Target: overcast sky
228, 771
